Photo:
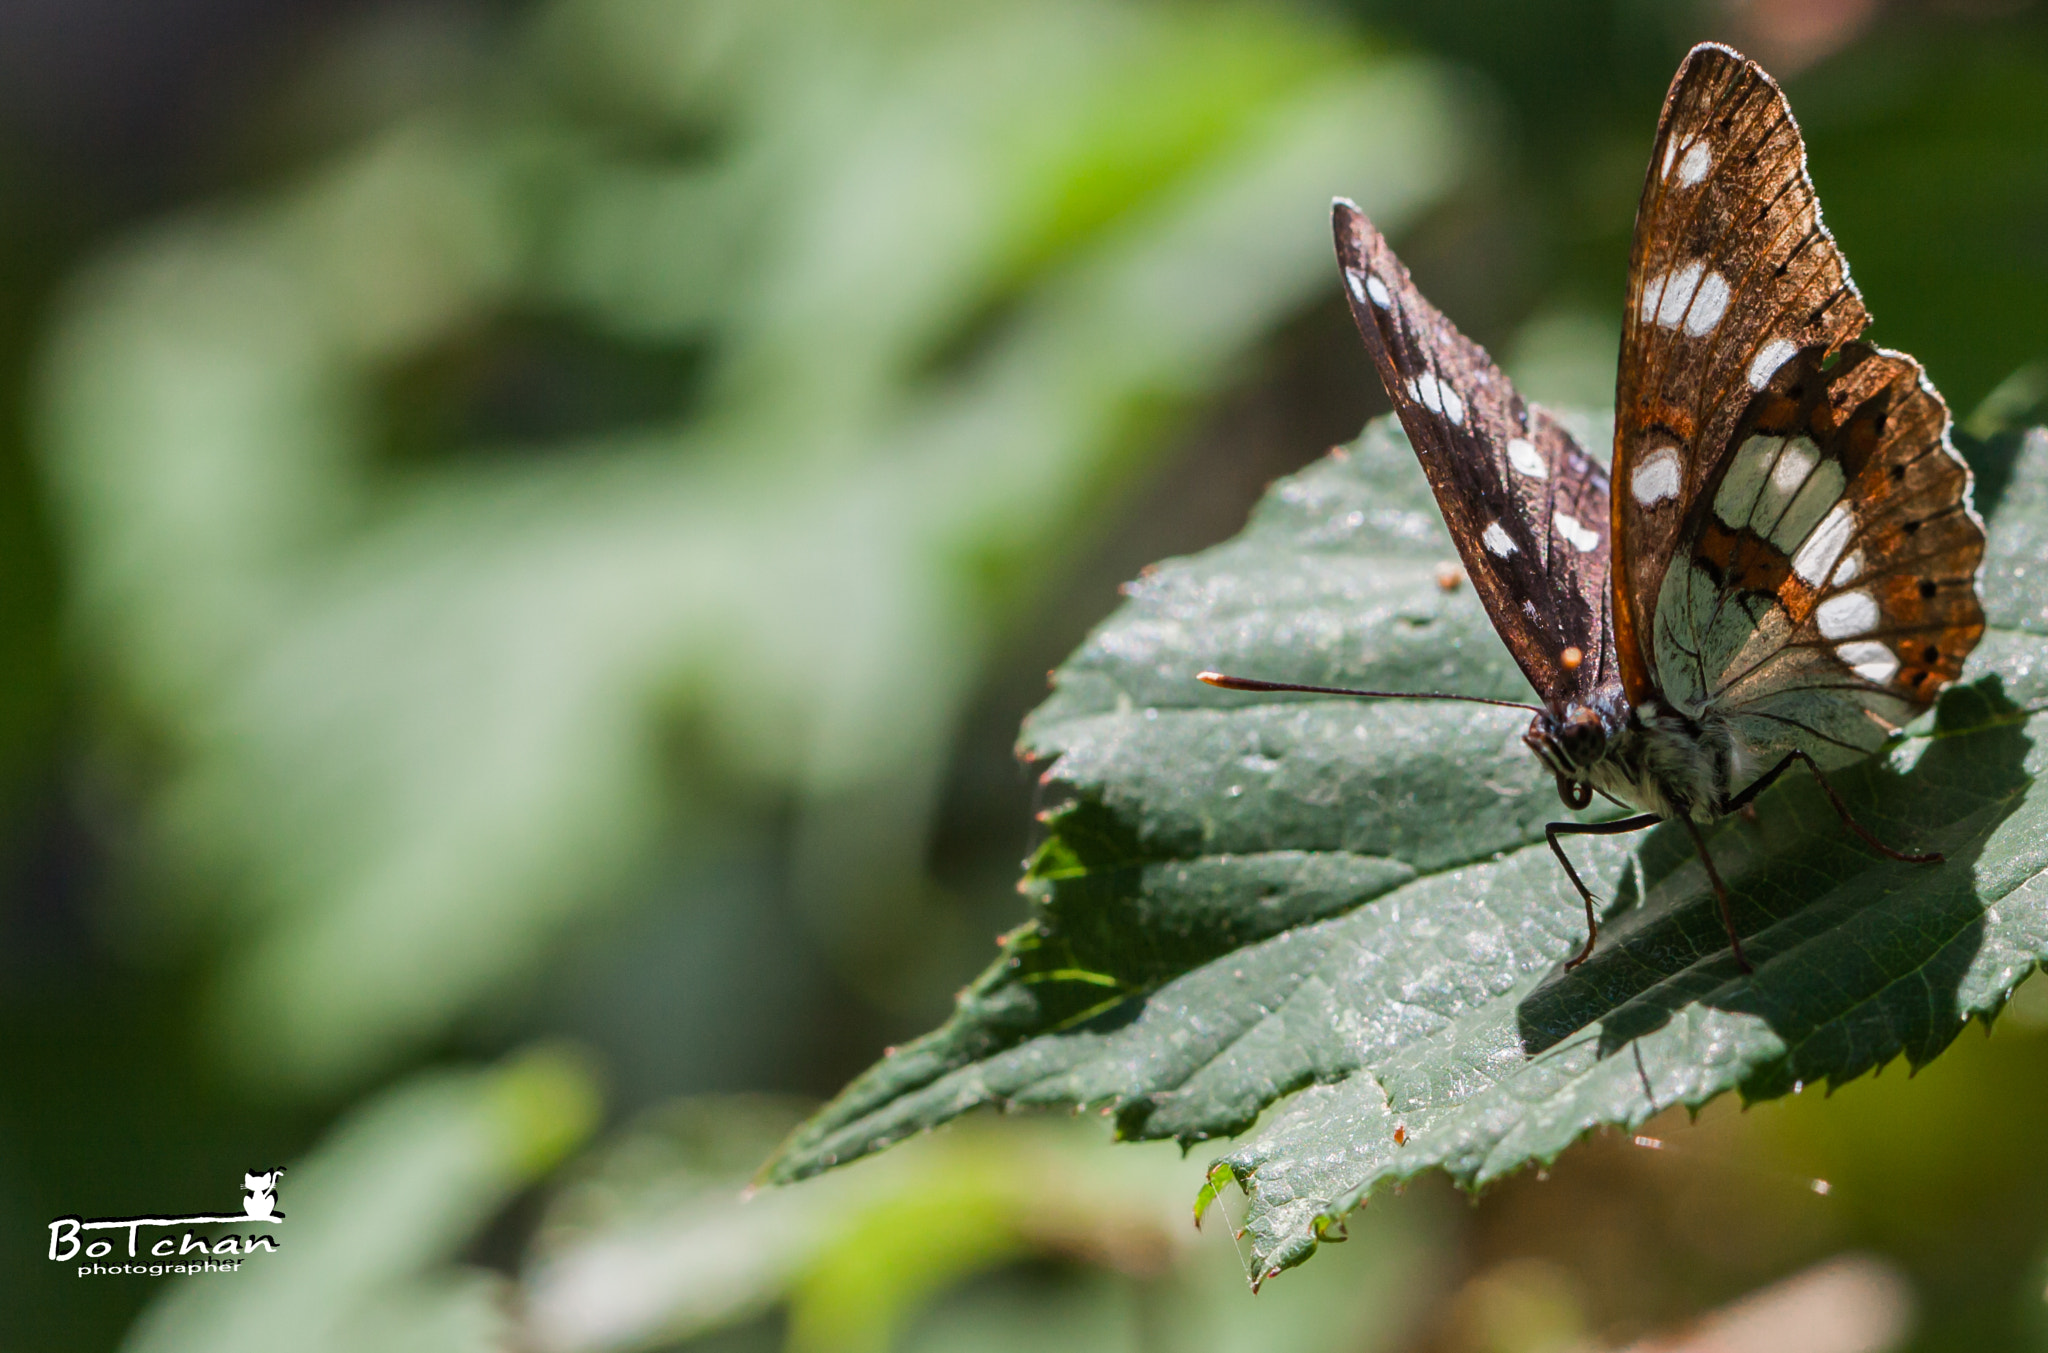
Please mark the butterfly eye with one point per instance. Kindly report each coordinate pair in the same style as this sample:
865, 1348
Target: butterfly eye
1575, 793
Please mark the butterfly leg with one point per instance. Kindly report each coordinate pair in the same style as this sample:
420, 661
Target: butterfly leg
1764, 781
1743, 802
1616, 828
1699, 843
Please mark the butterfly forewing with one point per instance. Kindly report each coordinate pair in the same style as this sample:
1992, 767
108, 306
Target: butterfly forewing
1527, 507
1731, 275
1794, 546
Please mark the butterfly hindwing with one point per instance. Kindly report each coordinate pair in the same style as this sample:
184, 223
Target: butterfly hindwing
1527, 507
1825, 586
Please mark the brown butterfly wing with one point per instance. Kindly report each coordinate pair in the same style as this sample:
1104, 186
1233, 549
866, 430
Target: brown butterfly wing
1731, 274
1527, 507
1794, 544
1826, 584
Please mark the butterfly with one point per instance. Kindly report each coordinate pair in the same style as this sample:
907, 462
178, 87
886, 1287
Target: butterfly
1783, 568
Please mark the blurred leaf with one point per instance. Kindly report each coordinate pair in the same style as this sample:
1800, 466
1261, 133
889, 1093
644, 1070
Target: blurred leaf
1871, 1143
2012, 406
655, 1244
374, 1217
951, 268
1203, 943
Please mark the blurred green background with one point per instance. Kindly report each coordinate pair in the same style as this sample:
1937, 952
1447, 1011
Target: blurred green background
528, 532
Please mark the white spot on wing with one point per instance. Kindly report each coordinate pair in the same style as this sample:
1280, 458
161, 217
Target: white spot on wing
1657, 478
1689, 296
1378, 291
1698, 160
1708, 305
1523, 455
1437, 396
1846, 616
1357, 285
1851, 566
1769, 358
1670, 151
1496, 540
1823, 489
1669, 289
1800, 490
1824, 546
1583, 540
1871, 661
1794, 465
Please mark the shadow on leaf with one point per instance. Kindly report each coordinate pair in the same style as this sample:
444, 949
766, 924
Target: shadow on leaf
1858, 958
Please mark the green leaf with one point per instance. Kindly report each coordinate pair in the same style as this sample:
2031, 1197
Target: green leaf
649, 1244
1248, 896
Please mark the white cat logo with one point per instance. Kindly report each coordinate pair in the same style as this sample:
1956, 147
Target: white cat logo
259, 1205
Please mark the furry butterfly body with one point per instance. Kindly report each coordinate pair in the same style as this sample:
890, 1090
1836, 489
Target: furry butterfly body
1783, 567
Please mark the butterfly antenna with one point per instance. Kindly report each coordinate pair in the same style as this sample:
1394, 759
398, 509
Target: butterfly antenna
1237, 683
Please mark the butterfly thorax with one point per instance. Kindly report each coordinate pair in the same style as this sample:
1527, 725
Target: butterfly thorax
1649, 756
